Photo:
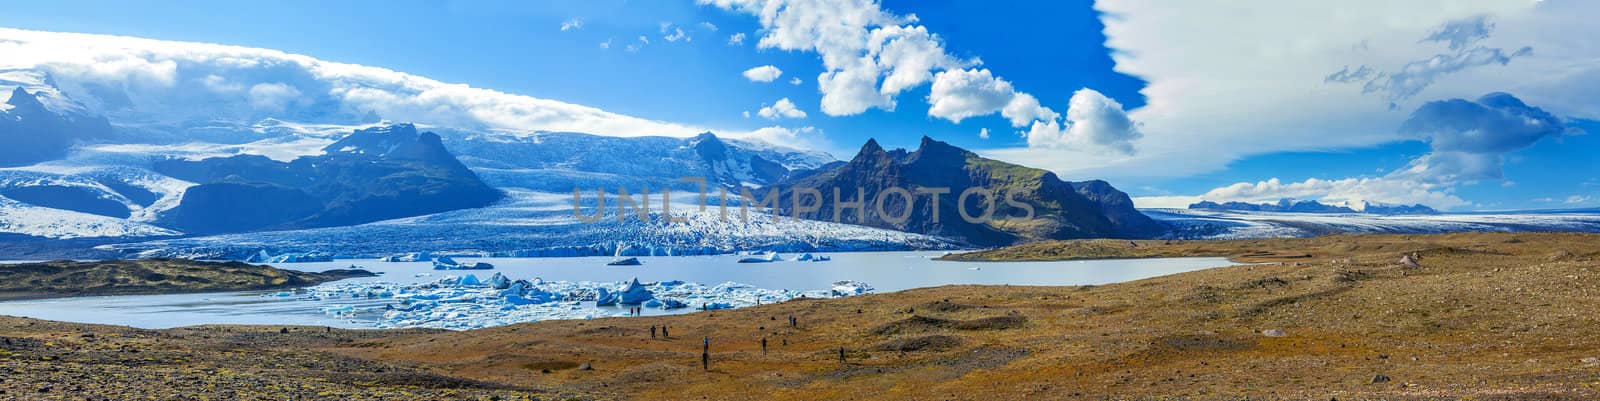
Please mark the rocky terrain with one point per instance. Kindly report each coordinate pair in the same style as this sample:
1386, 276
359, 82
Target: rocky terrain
63, 278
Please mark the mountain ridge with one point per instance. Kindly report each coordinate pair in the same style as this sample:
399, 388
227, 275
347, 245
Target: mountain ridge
1061, 211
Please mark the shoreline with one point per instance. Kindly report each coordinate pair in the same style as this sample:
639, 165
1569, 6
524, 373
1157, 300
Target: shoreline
74, 279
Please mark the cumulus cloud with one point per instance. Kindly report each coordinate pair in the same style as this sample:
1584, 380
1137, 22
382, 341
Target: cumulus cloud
795, 81
983, 133
1093, 121
1347, 191
765, 73
783, 108
959, 94
182, 81
868, 55
737, 38
706, 25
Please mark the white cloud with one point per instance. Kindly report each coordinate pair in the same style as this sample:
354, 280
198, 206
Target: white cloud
960, 94
673, 33
706, 25
1577, 199
783, 108
869, 56
273, 96
606, 44
796, 81
803, 137
638, 44
1164, 201
737, 38
1093, 121
1220, 88
572, 24
1347, 190
1024, 108
983, 133
765, 73
183, 81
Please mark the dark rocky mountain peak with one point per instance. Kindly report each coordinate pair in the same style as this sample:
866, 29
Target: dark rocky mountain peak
372, 174
1060, 210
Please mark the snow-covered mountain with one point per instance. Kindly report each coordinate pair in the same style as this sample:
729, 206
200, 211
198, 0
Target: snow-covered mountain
561, 161
135, 175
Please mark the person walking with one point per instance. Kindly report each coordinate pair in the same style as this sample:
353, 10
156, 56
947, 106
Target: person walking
705, 354
763, 345
664, 332
652, 331
841, 356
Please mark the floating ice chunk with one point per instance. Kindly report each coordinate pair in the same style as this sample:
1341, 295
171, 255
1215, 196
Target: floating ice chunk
847, 288
469, 281
606, 298
499, 282
343, 309
634, 293
765, 258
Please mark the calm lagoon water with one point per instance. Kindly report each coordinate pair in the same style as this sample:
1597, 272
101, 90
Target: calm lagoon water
886, 271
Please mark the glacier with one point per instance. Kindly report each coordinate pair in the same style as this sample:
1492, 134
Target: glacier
542, 224
1226, 224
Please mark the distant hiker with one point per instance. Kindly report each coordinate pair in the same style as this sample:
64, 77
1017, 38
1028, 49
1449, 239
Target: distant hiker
785, 342
652, 331
705, 354
763, 345
841, 355
793, 322
664, 332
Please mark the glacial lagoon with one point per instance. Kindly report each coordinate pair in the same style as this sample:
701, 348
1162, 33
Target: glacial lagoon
709, 277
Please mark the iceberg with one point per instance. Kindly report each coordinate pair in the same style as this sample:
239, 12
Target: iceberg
847, 288
769, 257
634, 293
423, 256
467, 302
606, 298
499, 282
624, 262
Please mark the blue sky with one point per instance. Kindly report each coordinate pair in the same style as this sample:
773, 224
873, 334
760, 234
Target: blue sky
1260, 128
